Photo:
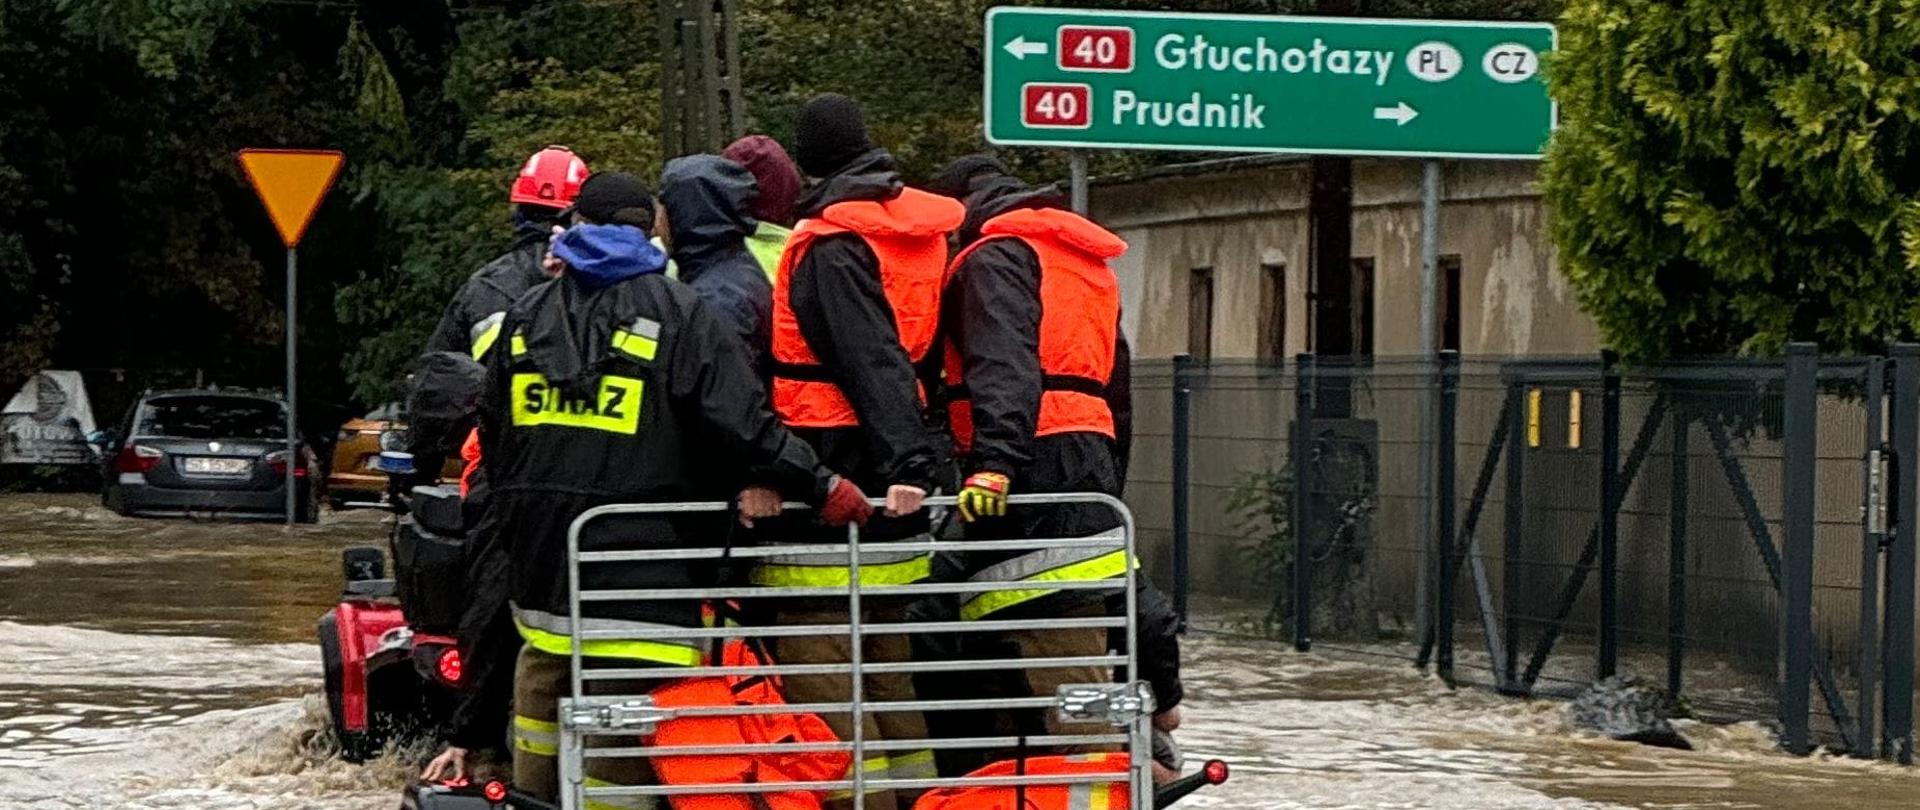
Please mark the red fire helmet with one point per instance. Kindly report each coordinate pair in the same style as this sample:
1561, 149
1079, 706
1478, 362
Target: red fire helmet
552, 178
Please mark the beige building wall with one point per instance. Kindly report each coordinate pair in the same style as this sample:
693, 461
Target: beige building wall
1236, 216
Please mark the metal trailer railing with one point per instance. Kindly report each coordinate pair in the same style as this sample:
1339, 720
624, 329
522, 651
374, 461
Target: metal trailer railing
1127, 706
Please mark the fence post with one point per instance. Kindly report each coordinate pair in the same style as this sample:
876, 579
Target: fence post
1677, 497
1797, 477
1443, 490
1301, 451
1873, 535
1512, 573
1610, 486
1182, 476
1897, 714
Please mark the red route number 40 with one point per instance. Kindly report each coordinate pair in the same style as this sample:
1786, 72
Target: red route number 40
1056, 106
1096, 48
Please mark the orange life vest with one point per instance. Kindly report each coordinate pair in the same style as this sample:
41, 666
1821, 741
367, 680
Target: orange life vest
763, 729
908, 234
470, 453
1079, 314
1107, 795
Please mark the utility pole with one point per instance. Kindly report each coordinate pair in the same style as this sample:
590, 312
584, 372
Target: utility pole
701, 108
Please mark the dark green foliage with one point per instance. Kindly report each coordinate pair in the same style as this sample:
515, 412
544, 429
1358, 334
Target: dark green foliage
1735, 174
1261, 508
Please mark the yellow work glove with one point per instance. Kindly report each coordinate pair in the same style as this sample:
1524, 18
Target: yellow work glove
985, 495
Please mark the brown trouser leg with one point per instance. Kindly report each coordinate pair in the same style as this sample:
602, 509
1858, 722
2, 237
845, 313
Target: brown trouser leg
1047, 682
539, 681
837, 649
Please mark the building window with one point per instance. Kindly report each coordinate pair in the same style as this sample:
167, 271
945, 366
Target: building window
1360, 307
1273, 312
1200, 313
1449, 320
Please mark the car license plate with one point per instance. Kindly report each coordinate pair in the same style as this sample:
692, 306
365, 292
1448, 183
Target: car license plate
202, 465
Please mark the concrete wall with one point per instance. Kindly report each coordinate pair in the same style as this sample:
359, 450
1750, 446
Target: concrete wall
1246, 213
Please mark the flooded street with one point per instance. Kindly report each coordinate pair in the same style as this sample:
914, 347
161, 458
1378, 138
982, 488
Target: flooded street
170, 664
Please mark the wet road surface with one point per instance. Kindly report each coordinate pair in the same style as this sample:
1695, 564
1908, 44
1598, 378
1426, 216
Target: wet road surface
170, 664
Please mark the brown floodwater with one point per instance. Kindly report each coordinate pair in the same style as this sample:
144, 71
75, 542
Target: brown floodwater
171, 664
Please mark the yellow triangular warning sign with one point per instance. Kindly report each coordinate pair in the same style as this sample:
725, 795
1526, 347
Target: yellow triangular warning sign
291, 183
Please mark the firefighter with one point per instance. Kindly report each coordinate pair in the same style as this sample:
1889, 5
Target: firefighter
1030, 326
854, 310
546, 186
615, 384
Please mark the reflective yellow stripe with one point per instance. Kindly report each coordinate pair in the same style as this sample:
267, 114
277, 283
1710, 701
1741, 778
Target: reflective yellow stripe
616, 802
615, 408
537, 737
912, 765
876, 767
639, 346
517, 345
658, 652
486, 339
835, 576
1105, 566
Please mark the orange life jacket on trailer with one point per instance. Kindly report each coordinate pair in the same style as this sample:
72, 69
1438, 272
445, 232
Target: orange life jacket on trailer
721, 770
1079, 315
1106, 795
908, 234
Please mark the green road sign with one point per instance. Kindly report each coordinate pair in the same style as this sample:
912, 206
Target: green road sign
1243, 83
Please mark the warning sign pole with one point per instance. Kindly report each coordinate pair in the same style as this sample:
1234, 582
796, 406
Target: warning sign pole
291, 183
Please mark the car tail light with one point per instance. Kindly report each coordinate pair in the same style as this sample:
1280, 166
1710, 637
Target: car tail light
277, 462
135, 458
449, 665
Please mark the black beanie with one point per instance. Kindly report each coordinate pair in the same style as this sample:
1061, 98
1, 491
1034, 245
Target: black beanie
958, 179
830, 133
615, 198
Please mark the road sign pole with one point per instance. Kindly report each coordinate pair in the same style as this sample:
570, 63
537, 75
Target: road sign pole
1429, 289
1077, 169
293, 440
291, 184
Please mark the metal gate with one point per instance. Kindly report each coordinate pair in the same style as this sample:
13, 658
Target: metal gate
1124, 707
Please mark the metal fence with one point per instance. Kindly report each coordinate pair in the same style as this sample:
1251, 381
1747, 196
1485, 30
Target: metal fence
606, 708
1739, 530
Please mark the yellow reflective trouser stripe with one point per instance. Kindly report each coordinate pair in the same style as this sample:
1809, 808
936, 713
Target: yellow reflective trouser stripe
537, 737
615, 802
517, 345
876, 767
1105, 566
832, 576
678, 655
639, 346
912, 765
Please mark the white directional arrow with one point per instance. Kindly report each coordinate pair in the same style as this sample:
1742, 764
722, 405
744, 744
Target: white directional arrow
1021, 48
1399, 114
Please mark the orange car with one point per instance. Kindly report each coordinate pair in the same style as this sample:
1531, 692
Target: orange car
352, 480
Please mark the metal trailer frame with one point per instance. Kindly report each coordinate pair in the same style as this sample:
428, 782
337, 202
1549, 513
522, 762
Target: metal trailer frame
1128, 706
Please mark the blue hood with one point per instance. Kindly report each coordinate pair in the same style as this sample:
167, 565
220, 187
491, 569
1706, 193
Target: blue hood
600, 255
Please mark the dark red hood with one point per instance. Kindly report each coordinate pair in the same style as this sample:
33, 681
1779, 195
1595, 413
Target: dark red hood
774, 172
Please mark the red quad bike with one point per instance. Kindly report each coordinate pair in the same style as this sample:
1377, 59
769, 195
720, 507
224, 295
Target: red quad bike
392, 662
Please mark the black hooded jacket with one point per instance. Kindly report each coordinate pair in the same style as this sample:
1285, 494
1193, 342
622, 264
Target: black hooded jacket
991, 311
490, 290
842, 309
709, 200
